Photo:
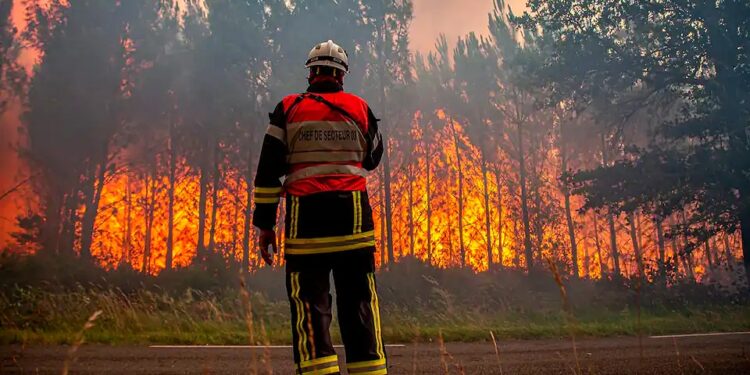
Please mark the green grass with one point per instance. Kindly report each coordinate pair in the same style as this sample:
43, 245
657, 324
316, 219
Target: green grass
33, 316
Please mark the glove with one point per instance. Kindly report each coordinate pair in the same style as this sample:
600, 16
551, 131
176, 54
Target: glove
267, 237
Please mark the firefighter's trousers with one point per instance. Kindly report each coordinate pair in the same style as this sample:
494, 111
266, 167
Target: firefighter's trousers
308, 289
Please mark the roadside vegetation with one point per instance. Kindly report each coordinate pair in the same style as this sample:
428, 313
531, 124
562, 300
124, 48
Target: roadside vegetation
48, 300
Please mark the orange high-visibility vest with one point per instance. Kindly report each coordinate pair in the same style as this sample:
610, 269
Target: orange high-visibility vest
325, 138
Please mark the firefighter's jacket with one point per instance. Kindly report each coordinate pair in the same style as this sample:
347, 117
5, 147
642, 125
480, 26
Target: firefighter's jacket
322, 143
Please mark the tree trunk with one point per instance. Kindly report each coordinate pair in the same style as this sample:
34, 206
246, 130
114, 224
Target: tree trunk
568, 214
460, 195
745, 233
675, 249
603, 268
150, 203
386, 163
202, 198
410, 214
235, 220
67, 227
126, 247
94, 188
728, 252
688, 255
538, 209
636, 246
248, 212
214, 200
662, 252
428, 159
487, 219
381, 203
707, 249
53, 211
170, 205
611, 220
524, 200
500, 234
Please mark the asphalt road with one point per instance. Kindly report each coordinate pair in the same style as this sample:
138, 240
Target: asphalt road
725, 354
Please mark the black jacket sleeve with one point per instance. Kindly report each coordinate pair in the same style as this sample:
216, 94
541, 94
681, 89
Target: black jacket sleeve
374, 143
271, 167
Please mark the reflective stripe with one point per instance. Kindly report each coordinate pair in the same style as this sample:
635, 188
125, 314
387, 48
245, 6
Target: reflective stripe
320, 170
267, 190
267, 200
356, 204
266, 195
294, 219
319, 361
331, 240
320, 365
301, 338
299, 246
374, 306
326, 156
358, 229
276, 132
363, 364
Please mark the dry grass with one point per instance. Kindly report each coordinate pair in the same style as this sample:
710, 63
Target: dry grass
568, 312
80, 338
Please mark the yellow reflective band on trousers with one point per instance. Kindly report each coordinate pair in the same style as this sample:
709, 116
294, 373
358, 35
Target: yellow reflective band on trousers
357, 197
324, 365
300, 316
267, 195
297, 246
294, 218
374, 367
374, 306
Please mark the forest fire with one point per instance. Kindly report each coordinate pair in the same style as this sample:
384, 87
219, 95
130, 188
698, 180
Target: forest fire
474, 177
132, 215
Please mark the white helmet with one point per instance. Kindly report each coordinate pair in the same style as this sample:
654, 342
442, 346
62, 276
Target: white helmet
328, 54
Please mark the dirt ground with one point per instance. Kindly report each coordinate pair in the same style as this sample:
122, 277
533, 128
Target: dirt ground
690, 355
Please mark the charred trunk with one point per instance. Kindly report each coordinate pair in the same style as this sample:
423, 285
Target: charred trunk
660, 245
248, 212
524, 202
216, 186
487, 220
428, 160
500, 251
603, 268
202, 198
170, 204
569, 215
94, 189
462, 250
150, 205
636, 246
745, 237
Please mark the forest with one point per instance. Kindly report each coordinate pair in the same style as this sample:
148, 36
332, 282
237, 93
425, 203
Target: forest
610, 138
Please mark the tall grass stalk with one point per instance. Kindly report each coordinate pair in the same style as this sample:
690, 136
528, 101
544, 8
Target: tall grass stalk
80, 338
568, 312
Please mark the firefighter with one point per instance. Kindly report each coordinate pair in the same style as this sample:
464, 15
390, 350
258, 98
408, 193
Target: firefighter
323, 142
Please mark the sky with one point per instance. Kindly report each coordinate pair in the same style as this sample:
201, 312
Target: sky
453, 18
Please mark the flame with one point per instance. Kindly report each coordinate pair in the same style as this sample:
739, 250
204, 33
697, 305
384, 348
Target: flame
122, 220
